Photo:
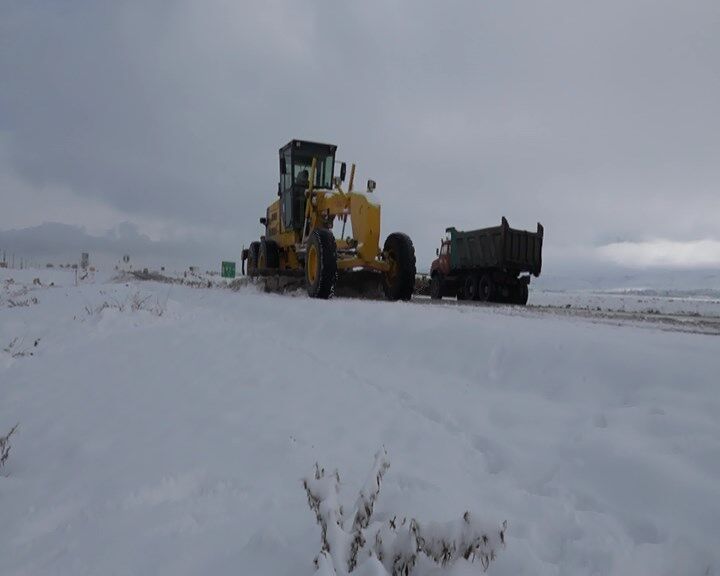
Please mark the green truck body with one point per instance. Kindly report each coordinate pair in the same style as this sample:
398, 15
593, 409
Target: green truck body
499, 247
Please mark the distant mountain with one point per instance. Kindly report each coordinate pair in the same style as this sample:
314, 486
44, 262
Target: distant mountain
56, 242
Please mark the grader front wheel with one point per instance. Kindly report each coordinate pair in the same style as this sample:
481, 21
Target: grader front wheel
399, 281
321, 264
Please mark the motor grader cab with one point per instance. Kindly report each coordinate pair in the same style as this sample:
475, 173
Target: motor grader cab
296, 159
324, 233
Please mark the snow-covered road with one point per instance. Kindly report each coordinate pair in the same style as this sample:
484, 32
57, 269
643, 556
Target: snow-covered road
175, 443
603, 309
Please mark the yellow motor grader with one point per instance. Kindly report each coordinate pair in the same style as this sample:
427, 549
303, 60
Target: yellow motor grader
301, 230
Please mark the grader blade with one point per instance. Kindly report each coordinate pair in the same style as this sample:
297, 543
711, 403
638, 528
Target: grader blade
361, 284
364, 284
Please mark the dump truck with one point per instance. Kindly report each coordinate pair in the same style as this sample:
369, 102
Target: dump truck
320, 232
491, 264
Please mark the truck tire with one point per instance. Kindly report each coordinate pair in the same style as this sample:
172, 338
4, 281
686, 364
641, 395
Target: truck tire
399, 283
436, 287
321, 264
486, 288
269, 255
521, 294
472, 288
253, 256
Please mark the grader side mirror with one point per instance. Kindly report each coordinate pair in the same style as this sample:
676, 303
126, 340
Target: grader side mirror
437, 251
283, 166
371, 185
343, 169
279, 189
263, 221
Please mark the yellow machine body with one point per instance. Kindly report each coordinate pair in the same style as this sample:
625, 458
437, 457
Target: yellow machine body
327, 209
325, 233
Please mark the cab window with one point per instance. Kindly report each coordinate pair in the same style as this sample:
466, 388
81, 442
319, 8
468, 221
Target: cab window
324, 170
286, 180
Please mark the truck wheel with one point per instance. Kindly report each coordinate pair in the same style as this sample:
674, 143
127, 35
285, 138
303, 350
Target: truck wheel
321, 264
399, 282
436, 287
252, 260
472, 288
486, 289
521, 294
269, 255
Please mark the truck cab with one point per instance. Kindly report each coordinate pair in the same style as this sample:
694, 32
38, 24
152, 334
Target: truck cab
441, 264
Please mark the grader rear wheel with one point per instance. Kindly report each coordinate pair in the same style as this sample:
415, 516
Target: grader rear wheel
399, 281
253, 257
269, 255
321, 264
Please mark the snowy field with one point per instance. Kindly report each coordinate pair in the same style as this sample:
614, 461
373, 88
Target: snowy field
166, 429
701, 303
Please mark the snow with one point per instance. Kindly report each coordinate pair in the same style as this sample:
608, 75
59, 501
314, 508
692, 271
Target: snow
706, 303
173, 439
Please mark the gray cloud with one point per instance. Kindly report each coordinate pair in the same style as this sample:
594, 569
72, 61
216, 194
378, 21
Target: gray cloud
598, 119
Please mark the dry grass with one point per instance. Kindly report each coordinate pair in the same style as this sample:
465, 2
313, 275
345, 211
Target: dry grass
350, 539
5, 445
134, 303
16, 348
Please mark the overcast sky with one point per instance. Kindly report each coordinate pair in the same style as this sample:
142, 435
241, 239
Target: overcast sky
599, 119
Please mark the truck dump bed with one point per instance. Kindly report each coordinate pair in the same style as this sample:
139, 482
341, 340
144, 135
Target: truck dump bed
501, 247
